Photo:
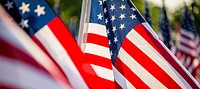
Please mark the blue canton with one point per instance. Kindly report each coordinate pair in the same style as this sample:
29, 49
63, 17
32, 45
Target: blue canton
165, 28
119, 17
31, 15
188, 22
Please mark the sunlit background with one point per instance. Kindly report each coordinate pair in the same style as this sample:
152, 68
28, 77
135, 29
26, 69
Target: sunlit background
70, 11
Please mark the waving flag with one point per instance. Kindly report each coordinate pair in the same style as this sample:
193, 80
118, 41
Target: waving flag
95, 45
189, 44
139, 58
22, 63
49, 32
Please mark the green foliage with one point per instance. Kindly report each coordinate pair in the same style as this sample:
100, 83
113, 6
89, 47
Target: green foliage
71, 8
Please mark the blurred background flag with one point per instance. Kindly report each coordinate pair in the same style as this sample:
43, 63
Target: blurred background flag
22, 63
146, 13
164, 27
165, 31
189, 43
139, 58
48, 31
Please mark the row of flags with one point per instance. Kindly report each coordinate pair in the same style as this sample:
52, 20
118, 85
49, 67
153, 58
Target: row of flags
188, 49
118, 49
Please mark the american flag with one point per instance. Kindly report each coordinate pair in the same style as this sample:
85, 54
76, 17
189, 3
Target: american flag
96, 44
165, 32
22, 63
49, 32
139, 58
164, 27
146, 13
189, 44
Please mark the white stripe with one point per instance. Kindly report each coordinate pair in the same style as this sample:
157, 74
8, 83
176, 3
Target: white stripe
97, 29
13, 34
17, 74
144, 46
121, 80
146, 25
187, 61
187, 34
103, 72
102, 51
183, 59
142, 73
190, 43
195, 63
187, 50
60, 55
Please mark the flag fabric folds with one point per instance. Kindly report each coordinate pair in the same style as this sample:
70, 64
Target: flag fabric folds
189, 44
95, 43
22, 63
139, 58
50, 34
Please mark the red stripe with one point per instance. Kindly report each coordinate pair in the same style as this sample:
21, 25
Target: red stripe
129, 75
149, 65
194, 72
68, 42
117, 86
60, 74
186, 37
155, 43
16, 54
187, 45
98, 60
100, 83
97, 39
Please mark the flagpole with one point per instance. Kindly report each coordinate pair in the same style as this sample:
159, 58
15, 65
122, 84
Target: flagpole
83, 27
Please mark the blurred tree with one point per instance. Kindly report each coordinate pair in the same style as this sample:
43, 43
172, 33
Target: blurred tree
196, 13
72, 9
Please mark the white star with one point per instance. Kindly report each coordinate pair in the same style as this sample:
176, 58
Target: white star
115, 40
100, 2
106, 21
109, 42
113, 18
111, 53
9, 5
24, 23
123, 7
105, 10
24, 7
114, 29
122, 26
133, 9
112, 7
100, 16
107, 31
122, 16
40, 10
133, 16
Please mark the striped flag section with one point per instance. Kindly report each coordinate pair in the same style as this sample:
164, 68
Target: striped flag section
189, 44
50, 34
94, 42
22, 63
139, 58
